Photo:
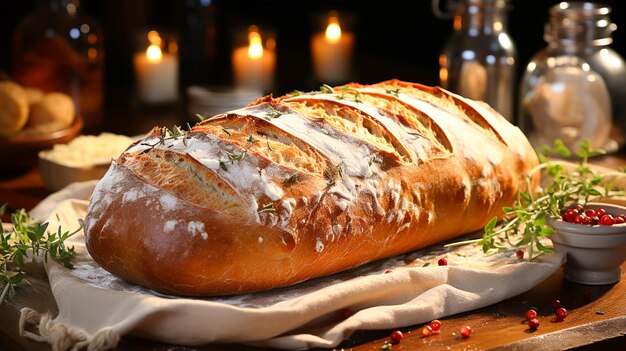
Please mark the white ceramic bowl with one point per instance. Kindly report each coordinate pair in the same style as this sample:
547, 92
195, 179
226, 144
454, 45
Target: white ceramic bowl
57, 176
595, 253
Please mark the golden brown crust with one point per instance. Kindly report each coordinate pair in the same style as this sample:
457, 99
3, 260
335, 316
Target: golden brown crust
302, 186
14, 108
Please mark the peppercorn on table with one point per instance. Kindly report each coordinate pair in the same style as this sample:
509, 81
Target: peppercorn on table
596, 315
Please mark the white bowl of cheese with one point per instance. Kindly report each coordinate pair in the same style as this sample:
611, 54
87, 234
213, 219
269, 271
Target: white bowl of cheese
85, 158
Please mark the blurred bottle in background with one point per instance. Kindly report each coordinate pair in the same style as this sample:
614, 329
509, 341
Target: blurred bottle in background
478, 60
574, 89
198, 43
59, 48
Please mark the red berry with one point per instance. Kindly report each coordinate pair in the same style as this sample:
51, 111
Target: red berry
579, 208
427, 330
556, 303
619, 220
442, 262
560, 313
571, 215
588, 220
530, 314
435, 325
466, 331
607, 220
595, 220
579, 219
600, 212
533, 323
519, 254
396, 336
590, 213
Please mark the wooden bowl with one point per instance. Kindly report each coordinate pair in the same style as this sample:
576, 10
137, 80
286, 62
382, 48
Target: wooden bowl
22, 152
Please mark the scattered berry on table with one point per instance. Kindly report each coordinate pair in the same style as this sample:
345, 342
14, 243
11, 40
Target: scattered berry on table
466, 331
396, 336
530, 314
442, 262
435, 325
560, 313
533, 323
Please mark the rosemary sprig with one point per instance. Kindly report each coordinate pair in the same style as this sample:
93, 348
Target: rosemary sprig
525, 223
29, 238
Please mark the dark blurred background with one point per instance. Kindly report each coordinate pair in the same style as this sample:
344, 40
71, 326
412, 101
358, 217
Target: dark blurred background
394, 39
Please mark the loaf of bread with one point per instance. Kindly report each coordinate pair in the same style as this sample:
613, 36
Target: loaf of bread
13, 108
302, 186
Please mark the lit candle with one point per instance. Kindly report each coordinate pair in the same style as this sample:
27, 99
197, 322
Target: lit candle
332, 52
254, 65
157, 71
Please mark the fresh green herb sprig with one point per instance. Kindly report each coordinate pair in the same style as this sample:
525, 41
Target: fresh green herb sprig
29, 239
167, 134
525, 223
343, 90
273, 113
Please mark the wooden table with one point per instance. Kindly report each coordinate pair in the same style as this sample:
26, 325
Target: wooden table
596, 319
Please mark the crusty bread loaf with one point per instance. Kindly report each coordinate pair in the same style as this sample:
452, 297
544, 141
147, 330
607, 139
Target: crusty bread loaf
13, 108
304, 185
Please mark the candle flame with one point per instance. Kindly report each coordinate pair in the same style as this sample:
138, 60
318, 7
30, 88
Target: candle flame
153, 53
333, 30
154, 38
255, 44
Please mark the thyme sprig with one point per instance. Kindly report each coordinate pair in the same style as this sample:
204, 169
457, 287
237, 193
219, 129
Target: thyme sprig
165, 135
525, 223
327, 89
394, 92
273, 113
27, 239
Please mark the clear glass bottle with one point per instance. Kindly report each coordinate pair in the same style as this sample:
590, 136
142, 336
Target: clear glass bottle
478, 60
60, 48
574, 89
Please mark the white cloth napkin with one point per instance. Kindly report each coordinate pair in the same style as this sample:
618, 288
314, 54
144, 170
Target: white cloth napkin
96, 308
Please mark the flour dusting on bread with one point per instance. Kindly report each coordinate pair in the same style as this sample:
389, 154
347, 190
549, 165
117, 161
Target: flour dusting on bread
304, 185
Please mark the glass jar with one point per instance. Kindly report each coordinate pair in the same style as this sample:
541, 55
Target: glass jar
478, 59
59, 48
573, 89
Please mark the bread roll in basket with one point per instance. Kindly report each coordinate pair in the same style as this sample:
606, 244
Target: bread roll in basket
302, 186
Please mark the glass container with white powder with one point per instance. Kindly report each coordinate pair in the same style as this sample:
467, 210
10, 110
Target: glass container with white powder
573, 89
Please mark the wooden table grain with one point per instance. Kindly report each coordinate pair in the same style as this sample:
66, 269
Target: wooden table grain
596, 318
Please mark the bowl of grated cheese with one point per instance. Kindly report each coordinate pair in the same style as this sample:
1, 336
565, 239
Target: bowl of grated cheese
86, 157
